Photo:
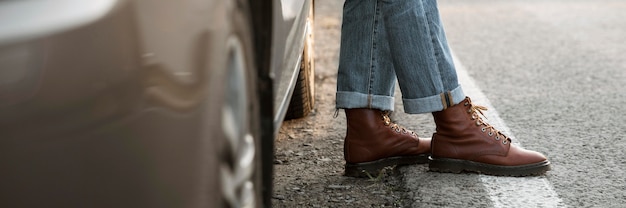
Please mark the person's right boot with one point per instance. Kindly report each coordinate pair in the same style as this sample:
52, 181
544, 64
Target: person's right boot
464, 142
374, 142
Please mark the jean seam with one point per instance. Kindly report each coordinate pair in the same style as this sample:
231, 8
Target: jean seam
432, 31
374, 46
433, 49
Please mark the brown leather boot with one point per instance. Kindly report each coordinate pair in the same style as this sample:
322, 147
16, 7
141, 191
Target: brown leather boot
373, 142
464, 142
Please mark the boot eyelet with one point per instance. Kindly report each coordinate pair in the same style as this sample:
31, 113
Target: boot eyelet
483, 129
398, 130
497, 138
404, 131
466, 103
490, 133
505, 142
477, 123
469, 110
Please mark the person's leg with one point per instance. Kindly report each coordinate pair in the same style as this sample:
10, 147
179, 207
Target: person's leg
365, 78
427, 78
422, 60
365, 89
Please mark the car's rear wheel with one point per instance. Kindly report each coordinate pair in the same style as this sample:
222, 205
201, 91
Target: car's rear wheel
303, 99
240, 149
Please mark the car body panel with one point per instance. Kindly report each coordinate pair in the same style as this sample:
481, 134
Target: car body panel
108, 108
89, 135
286, 60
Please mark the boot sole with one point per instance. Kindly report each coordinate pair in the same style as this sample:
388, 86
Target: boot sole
374, 168
447, 165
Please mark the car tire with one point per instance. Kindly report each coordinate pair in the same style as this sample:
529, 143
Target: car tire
303, 99
240, 149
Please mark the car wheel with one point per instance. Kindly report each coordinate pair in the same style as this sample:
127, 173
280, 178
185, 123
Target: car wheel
240, 155
303, 99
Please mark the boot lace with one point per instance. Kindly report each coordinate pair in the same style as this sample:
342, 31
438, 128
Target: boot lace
475, 110
397, 128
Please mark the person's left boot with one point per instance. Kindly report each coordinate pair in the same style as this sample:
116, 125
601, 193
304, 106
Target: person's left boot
465, 142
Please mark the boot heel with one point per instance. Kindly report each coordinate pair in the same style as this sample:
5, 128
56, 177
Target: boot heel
367, 169
445, 165
356, 171
374, 168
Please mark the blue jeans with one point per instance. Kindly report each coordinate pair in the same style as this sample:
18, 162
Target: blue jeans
385, 40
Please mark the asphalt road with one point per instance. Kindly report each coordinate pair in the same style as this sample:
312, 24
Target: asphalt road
553, 73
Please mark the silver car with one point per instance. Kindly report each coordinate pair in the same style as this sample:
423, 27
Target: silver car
148, 103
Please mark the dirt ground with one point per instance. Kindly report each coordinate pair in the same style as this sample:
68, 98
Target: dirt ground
309, 151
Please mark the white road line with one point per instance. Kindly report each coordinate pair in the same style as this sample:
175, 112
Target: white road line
508, 191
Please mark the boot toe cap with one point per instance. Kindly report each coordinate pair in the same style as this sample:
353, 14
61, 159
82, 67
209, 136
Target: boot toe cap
521, 156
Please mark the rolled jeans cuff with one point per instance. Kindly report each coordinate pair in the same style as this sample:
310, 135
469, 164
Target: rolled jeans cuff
348, 100
433, 103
